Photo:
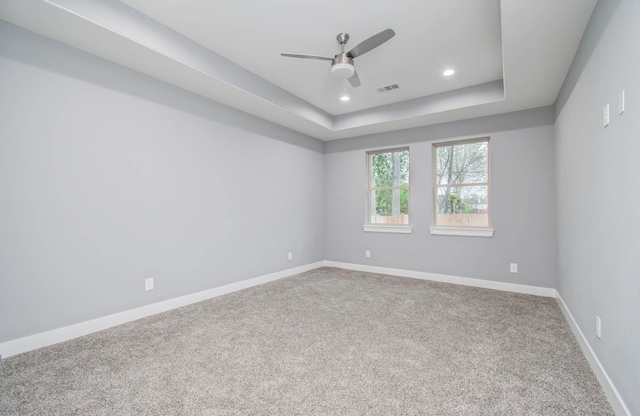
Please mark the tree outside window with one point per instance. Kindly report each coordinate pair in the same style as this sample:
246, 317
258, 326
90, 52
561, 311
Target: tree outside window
461, 183
388, 190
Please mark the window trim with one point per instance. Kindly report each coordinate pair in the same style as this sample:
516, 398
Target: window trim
482, 231
382, 228
385, 228
462, 231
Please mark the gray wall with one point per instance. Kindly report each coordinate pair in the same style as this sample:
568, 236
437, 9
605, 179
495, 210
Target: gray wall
108, 177
522, 194
598, 184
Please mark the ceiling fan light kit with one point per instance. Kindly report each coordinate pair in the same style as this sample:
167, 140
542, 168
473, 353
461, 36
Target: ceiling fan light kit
342, 69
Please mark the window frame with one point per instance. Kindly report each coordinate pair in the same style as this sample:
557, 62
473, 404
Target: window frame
386, 228
472, 231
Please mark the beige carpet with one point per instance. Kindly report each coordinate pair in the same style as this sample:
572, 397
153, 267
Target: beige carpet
329, 342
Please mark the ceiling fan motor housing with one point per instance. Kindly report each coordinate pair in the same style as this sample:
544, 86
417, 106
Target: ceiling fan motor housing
342, 65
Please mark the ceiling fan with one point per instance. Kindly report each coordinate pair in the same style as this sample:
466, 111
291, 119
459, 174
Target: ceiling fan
342, 63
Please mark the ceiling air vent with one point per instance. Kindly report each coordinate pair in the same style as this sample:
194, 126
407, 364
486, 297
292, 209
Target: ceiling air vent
388, 88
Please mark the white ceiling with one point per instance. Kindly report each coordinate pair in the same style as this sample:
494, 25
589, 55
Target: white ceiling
508, 55
431, 36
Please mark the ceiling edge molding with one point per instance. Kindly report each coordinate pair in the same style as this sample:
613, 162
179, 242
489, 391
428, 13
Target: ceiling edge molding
489, 92
536, 117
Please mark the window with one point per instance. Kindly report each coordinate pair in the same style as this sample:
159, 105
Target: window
461, 188
388, 189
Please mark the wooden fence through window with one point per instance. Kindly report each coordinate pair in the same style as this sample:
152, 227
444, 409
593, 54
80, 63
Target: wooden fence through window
462, 220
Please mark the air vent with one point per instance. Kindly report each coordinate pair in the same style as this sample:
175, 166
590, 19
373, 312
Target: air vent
388, 88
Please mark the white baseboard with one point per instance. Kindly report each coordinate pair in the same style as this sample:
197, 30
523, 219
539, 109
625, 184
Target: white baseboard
43, 339
609, 389
466, 281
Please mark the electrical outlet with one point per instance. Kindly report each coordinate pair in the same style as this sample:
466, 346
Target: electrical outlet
598, 327
513, 267
367, 253
148, 283
290, 256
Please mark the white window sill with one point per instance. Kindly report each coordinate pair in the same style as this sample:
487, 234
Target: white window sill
469, 232
398, 229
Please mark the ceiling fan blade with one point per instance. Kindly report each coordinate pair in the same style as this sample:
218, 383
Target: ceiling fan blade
354, 80
371, 43
303, 56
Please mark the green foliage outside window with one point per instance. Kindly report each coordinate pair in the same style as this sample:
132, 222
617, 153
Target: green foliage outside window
389, 170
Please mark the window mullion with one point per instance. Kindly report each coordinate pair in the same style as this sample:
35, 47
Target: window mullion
386, 188
458, 185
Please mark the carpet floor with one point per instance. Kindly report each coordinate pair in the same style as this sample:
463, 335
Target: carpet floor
325, 342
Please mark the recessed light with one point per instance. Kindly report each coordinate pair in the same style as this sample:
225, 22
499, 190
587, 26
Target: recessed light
448, 72
344, 98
